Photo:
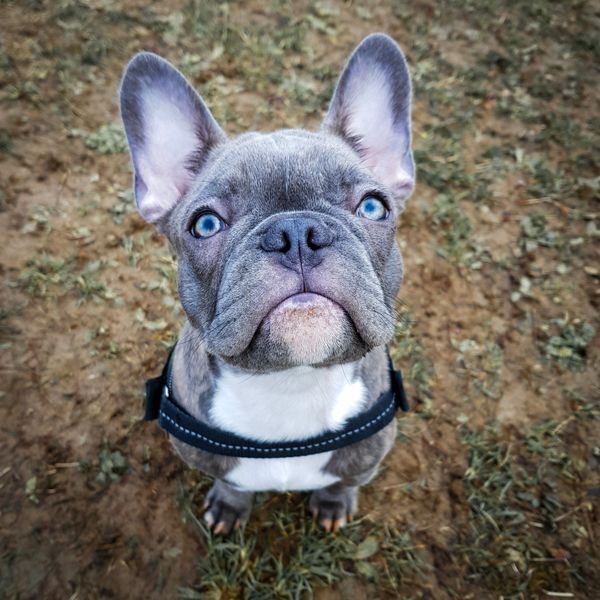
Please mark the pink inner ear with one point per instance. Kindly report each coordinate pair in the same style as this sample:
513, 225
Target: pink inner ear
169, 141
163, 190
371, 120
387, 169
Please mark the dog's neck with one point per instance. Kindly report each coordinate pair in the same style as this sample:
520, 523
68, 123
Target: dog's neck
292, 404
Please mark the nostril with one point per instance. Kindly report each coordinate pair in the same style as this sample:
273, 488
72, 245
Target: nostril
291, 237
317, 238
311, 239
276, 240
284, 242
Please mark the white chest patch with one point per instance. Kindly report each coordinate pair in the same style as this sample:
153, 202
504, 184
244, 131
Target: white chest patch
288, 405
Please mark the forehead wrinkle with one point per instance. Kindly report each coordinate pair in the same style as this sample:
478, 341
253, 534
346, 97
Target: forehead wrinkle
293, 166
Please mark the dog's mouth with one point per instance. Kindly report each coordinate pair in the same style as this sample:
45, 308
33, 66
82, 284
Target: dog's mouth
307, 303
309, 325
292, 322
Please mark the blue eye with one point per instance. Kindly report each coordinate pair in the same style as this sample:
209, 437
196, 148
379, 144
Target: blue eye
372, 208
206, 225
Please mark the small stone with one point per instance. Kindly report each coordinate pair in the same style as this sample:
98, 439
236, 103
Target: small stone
111, 240
592, 271
525, 286
488, 216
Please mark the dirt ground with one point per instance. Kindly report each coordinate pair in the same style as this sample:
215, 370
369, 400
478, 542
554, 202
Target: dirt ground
493, 488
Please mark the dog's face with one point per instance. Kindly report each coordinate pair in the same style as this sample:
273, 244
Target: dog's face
285, 241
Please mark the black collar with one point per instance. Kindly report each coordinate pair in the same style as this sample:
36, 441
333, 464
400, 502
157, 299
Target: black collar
162, 405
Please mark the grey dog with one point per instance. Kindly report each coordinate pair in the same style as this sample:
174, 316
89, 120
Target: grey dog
288, 271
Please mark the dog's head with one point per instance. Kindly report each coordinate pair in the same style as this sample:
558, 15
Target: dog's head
285, 241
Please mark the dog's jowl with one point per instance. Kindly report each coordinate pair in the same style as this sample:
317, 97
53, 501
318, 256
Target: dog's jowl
288, 271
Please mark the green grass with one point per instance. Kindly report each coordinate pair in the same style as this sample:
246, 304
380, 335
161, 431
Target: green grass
47, 276
107, 139
282, 553
123, 205
44, 273
111, 464
500, 96
526, 530
454, 230
409, 356
535, 233
482, 364
567, 343
101, 344
526, 533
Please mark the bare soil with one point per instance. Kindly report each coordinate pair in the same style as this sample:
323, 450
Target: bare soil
498, 314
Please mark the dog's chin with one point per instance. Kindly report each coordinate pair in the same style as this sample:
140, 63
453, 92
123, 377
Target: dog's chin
303, 330
309, 328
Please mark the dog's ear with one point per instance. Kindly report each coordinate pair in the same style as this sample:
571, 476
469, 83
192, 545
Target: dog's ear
370, 110
169, 129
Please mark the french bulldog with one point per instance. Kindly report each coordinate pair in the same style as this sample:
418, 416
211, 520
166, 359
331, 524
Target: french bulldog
288, 271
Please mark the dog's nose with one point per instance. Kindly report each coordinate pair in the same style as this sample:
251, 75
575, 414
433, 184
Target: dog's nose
297, 241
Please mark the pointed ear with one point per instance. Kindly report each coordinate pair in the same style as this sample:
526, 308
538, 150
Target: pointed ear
169, 129
370, 110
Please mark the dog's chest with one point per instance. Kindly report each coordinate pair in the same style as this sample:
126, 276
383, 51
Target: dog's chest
290, 405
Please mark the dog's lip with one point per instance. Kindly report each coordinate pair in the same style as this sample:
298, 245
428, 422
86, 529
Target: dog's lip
299, 301
305, 298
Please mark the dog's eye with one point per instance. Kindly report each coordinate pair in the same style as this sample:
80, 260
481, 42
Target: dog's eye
372, 208
206, 225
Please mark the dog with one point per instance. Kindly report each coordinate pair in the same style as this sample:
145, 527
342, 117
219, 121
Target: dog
288, 271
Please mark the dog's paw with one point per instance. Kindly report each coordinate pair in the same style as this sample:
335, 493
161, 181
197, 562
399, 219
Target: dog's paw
226, 508
333, 507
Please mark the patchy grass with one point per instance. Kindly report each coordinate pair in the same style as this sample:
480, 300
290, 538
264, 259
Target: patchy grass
506, 144
45, 275
107, 139
123, 205
528, 530
567, 342
39, 221
455, 231
284, 554
534, 233
101, 343
482, 363
409, 356
111, 465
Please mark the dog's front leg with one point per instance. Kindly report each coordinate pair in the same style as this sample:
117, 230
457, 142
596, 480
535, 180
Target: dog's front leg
332, 507
226, 507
